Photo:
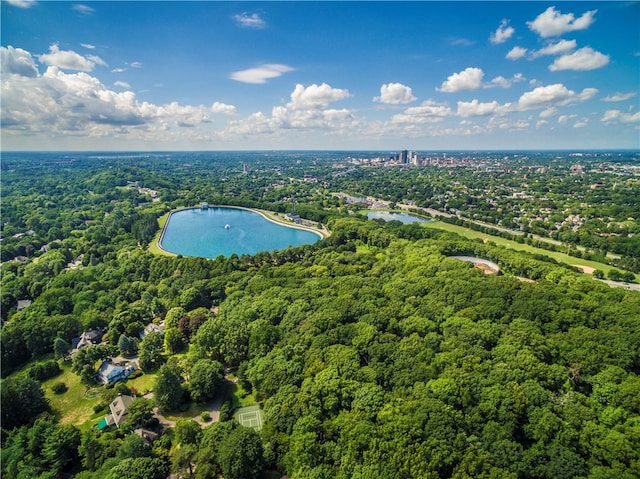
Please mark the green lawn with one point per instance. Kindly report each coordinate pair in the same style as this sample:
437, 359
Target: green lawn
75, 406
142, 384
561, 257
153, 245
239, 397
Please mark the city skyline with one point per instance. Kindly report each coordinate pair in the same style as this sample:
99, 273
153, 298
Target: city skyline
315, 75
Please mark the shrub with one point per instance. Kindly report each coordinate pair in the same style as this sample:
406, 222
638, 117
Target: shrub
43, 371
225, 411
205, 416
59, 388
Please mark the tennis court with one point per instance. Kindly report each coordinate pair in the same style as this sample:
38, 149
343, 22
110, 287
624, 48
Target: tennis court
250, 417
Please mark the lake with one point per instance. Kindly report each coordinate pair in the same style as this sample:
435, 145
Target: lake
389, 216
224, 231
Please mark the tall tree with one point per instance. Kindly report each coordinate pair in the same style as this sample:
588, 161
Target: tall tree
22, 401
241, 454
205, 379
167, 390
151, 351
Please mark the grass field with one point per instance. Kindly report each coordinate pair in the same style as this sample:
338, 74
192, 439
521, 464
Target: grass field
153, 245
75, 406
561, 257
238, 396
142, 384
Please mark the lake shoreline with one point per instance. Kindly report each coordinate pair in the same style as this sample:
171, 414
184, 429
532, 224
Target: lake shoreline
269, 216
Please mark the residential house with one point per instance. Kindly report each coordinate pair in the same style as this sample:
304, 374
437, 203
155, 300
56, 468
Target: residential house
110, 373
87, 338
153, 328
118, 408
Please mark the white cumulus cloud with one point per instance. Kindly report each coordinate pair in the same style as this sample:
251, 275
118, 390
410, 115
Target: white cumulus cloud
122, 84
620, 96
552, 23
218, 107
261, 74
316, 96
476, 108
552, 96
516, 53
69, 60
395, 94
558, 48
58, 104
88, 46
468, 79
428, 112
502, 34
250, 21
551, 111
17, 61
583, 59
563, 119
611, 116
503, 82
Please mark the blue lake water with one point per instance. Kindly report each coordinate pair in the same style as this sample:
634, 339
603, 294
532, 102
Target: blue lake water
389, 216
202, 232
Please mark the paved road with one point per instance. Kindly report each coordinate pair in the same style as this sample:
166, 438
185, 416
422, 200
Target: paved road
618, 284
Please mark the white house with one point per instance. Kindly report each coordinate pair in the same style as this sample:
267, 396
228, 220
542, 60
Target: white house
110, 373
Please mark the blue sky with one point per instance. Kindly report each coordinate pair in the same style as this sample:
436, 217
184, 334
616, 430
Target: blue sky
320, 75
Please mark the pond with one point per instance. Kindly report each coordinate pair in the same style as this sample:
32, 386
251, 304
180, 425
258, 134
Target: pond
216, 231
390, 216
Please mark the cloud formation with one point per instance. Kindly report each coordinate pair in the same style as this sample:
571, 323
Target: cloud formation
620, 96
476, 108
583, 59
316, 96
552, 23
557, 48
553, 96
428, 112
78, 104
502, 34
395, 94
22, 3
245, 20
468, 79
69, 60
84, 9
260, 74
218, 107
516, 53
503, 82
17, 61
307, 111
615, 116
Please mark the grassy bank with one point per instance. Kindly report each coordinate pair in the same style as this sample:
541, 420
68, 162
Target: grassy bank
154, 244
506, 243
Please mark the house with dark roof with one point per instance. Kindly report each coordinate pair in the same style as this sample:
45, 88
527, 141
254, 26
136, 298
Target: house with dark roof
87, 338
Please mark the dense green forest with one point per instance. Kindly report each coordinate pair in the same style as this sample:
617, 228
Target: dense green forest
372, 353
